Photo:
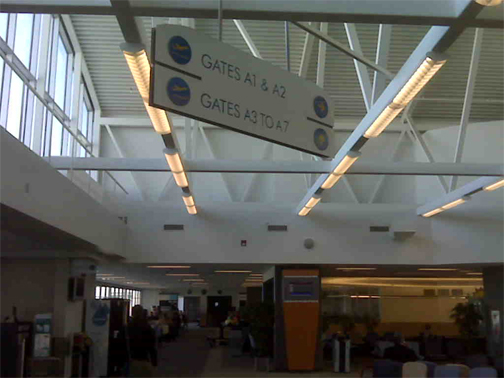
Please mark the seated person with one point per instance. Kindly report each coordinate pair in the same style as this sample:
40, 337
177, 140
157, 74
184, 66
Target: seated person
400, 352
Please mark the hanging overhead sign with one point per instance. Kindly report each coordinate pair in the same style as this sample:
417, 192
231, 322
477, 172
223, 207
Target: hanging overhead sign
202, 78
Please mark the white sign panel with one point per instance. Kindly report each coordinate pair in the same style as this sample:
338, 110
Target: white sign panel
202, 78
97, 328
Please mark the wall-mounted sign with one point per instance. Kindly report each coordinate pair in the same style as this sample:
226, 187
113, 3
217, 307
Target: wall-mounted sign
201, 78
301, 289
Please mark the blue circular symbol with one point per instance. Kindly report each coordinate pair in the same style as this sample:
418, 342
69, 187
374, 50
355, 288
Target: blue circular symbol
320, 106
321, 139
179, 91
100, 317
179, 50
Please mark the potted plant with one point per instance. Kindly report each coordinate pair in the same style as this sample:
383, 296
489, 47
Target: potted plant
261, 319
371, 322
467, 317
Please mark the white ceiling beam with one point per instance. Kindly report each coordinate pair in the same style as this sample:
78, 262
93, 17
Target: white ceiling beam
360, 69
248, 40
340, 46
382, 52
322, 52
466, 110
439, 39
467, 189
306, 55
266, 155
420, 140
392, 159
121, 155
212, 154
267, 166
445, 12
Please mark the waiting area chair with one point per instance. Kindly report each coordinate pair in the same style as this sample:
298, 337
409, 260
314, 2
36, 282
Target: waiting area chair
387, 369
451, 371
483, 372
414, 370
476, 361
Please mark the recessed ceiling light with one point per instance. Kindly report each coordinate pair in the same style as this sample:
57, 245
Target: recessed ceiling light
475, 274
355, 268
182, 274
193, 280
256, 274
104, 274
169, 266
439, 269
232, 271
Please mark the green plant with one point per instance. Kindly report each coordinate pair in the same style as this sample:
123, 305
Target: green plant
261, 318
467, 318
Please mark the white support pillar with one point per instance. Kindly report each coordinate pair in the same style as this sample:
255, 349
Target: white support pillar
324, 26
428, 154
360, 68
382, 51
248, 40
468, 99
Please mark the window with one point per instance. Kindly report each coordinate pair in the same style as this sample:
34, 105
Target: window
23, 37
118, 292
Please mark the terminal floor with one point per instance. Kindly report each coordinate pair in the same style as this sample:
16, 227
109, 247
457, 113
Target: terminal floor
191, 356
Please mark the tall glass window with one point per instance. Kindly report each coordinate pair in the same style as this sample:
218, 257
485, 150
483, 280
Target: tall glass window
23, 37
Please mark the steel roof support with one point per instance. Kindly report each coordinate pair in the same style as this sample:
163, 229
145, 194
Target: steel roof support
468, 99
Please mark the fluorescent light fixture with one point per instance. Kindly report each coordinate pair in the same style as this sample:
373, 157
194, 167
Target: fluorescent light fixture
256, 274
175, 163
232, 271
189, 201
140, 283
304, 211
104, 274
451, 205
355, 268
497, 185
446, 207
313, 201
383, 120
192, 210
169, 266
113, 278
429, 67
340, 169
474, 274
193, 280
433, 212
139, 65
439, 269
182, 274
489, 3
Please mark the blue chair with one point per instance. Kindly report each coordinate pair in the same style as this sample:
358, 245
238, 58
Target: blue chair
431, 367
477, 360
448, 372
483, 372
387, 369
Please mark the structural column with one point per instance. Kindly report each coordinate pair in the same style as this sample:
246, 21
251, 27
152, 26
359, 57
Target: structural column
493, 281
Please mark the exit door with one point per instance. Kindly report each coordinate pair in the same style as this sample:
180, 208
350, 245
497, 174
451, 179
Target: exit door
218, 309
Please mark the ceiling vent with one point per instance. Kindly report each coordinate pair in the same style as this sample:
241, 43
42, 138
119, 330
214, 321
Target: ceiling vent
277, 228
173, 227
379, 229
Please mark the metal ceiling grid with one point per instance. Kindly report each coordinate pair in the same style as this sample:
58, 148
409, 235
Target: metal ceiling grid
100, 37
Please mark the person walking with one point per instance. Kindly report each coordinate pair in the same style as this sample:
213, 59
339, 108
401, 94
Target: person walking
142, 344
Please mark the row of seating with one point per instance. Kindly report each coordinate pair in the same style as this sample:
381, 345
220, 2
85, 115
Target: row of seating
426, 369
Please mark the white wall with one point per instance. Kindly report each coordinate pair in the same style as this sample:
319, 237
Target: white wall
469, 234
149, 298
53, 199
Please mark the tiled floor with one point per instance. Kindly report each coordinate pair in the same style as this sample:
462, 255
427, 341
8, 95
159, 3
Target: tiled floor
191, 356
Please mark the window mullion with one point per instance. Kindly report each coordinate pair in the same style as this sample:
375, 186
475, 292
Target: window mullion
43, 57
76, 98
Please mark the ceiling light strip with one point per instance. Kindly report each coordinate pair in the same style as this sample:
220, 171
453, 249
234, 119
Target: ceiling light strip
139, 65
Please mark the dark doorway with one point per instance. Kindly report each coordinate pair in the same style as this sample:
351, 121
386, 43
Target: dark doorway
218, 309
269, 292
192, 308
